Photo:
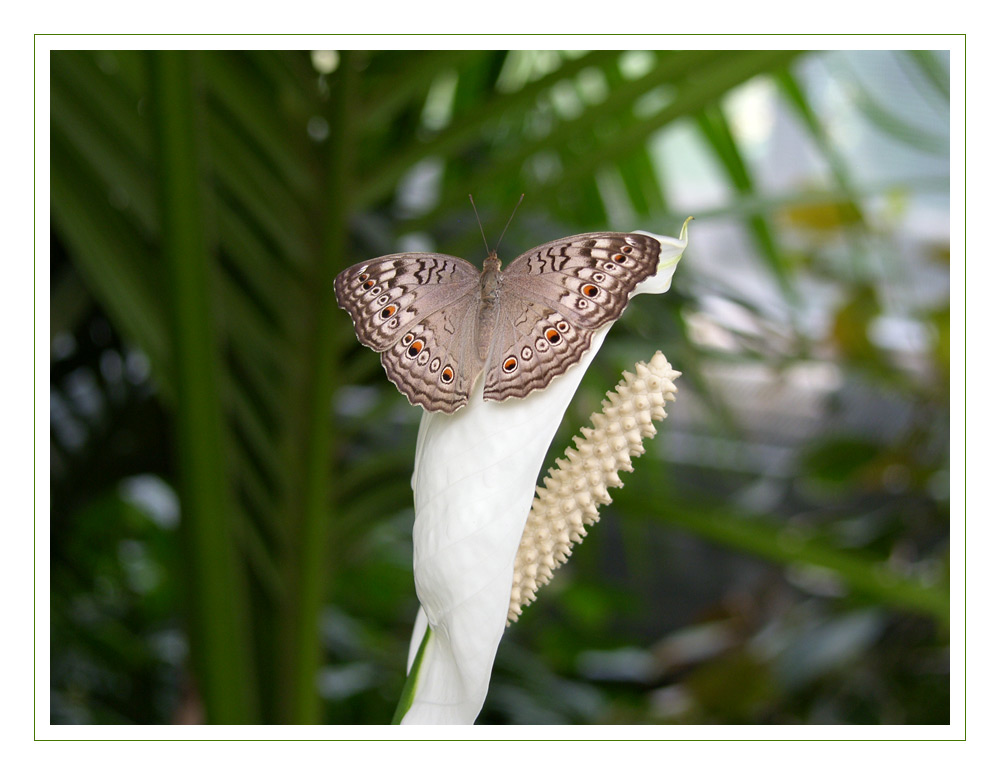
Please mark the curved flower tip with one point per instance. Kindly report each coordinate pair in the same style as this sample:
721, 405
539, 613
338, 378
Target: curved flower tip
671, 250
578, 485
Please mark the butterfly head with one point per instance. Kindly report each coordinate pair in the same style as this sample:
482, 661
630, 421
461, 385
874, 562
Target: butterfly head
492, 264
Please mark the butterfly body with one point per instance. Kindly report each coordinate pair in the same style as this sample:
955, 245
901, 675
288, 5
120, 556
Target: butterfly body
440, 324
490, 282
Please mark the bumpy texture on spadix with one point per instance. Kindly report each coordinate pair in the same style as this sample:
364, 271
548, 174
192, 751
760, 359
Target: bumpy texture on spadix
578, 485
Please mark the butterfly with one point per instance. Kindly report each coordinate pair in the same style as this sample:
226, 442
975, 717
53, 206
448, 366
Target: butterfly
440, 323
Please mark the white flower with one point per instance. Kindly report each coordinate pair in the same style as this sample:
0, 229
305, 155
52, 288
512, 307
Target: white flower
473, 484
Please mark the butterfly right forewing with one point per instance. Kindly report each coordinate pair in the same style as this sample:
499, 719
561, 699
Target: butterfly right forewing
554, 298
587, 277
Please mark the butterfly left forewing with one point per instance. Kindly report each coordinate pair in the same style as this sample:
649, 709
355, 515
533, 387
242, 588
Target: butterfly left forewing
413, 308
387, 296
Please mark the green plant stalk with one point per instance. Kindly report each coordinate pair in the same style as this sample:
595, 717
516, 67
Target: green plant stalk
744, 205
218, 605
300, 652
410, 685
850, 205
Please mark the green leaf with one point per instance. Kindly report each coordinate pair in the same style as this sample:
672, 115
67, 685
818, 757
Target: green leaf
715, 127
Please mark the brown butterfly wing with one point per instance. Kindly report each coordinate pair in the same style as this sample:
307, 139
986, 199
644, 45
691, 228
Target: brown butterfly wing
533, 343
413, 308
387, 296
436, 363
421, 311
554, 298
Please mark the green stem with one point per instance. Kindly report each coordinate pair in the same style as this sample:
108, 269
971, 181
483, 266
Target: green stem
218, 606
307, 565
410, 686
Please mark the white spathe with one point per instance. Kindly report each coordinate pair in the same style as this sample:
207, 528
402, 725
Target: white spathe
473, 483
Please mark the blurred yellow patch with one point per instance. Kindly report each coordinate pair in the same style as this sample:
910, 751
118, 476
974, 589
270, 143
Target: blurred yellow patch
821, 216
941, 253
850, 325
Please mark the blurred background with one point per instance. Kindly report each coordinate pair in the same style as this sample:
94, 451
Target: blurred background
231, 511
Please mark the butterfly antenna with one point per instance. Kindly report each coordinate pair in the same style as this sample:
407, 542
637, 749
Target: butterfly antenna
508, 222
479, 222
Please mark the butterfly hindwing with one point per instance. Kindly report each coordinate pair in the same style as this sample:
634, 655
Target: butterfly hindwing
434, 364
533, 344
